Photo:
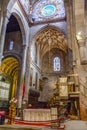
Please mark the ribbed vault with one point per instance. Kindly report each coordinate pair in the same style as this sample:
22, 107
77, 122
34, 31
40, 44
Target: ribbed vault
10, 66
51, 38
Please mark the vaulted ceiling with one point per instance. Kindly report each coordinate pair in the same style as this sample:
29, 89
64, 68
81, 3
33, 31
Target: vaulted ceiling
44, 10
51, 38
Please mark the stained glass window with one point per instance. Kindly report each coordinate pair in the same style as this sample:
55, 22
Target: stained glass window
56, 64
48, 10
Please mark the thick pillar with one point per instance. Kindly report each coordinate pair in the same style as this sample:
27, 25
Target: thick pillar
23, 75
70, 32
27, 74
81, 44
1, 16
4, 21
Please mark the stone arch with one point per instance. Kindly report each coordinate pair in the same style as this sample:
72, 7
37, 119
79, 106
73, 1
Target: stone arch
10, 67
12, 10
21, 24
16, 12
11, 3
8, 54
47, 27
55, 36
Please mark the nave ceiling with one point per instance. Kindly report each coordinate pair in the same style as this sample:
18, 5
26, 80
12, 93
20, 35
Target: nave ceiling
43, 10
51, 38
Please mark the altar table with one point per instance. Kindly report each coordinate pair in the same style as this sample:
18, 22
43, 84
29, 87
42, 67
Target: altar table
36, 114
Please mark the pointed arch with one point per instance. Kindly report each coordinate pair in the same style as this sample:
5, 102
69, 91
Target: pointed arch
49, 38
10, 67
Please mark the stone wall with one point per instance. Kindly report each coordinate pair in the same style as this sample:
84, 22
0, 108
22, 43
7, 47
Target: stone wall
83, 107
17, 39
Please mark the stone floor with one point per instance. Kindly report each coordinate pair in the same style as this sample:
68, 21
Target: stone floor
76, 125
18, 127
73, 125
70, 125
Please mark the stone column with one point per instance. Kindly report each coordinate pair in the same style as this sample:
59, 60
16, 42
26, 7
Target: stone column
38, 55
27, 74
71, 32
2, 35
23, 75
1, 15
81, 44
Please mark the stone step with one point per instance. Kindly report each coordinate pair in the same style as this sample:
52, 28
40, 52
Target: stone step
17, 127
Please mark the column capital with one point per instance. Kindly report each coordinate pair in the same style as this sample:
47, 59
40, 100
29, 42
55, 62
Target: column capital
24, 46
5, 17
81, 42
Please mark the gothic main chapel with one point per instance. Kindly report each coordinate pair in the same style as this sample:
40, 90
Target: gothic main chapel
43, 56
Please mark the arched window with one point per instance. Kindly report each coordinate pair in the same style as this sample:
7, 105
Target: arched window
56, 64
11, 45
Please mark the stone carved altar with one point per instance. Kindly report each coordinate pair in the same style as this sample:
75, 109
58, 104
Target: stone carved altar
36, 114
